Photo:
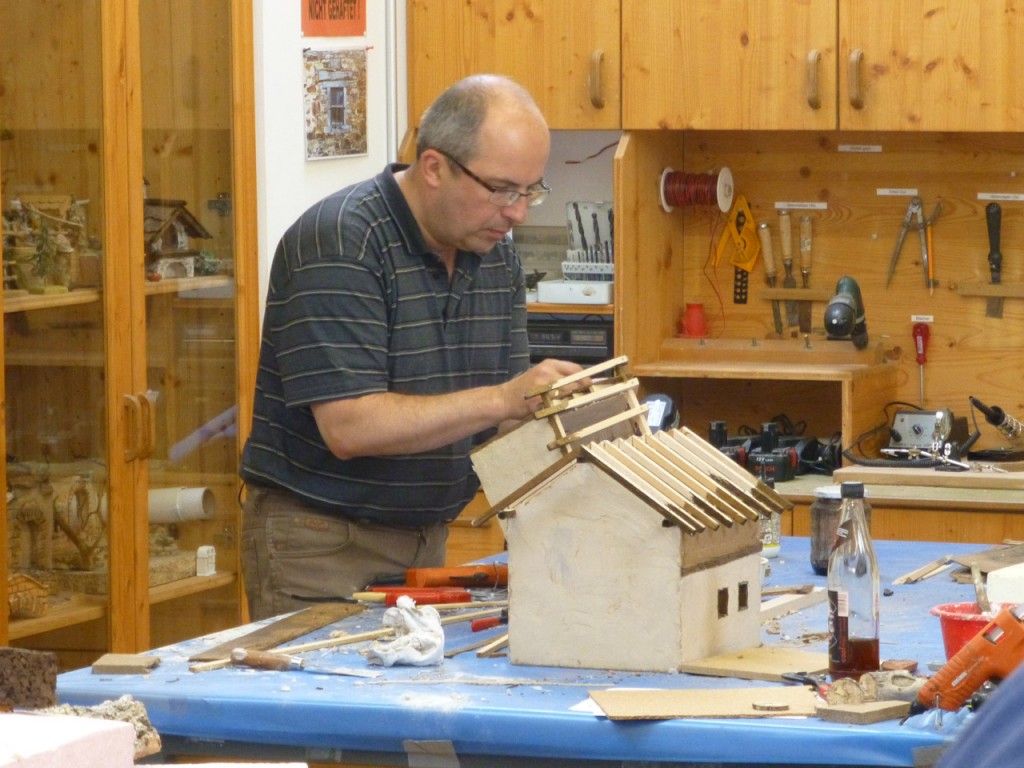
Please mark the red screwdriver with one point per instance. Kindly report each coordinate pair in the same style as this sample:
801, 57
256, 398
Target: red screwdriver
921, 346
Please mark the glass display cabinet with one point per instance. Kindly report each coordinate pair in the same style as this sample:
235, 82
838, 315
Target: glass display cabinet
130, 318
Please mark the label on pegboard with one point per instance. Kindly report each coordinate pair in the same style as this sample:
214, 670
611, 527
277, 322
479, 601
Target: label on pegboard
740, 285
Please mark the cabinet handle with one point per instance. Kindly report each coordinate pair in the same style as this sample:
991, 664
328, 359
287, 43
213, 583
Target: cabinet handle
147, 402
596, 96
133, 412
141, 413
853, 76
813, 97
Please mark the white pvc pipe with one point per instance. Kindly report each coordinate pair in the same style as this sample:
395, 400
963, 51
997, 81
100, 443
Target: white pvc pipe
179, 505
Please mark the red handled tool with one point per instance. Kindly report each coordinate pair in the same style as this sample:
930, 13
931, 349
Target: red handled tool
422, 595
479, 625
921, 347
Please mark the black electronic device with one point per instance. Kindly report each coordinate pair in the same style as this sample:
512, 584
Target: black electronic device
928, 430
844, 313
770, 460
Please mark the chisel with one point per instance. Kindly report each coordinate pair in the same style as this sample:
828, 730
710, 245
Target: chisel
786, 239
805, 271
278, 661
994, 219
765, 234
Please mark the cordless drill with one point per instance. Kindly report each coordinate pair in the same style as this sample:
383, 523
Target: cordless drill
993, 653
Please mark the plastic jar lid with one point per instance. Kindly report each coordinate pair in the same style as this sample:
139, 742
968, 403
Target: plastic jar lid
827, 492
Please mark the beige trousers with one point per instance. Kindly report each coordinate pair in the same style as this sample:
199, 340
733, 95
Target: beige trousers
295, 555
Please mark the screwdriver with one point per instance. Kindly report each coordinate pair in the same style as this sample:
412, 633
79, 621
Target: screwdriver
921, 346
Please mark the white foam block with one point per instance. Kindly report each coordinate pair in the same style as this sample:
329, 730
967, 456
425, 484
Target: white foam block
1006, 585
44, 741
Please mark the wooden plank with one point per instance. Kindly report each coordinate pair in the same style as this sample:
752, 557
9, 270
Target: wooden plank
864, 713
992, 559
638, 704
778, 606
763, 663
124, 664
931, 478
282, 630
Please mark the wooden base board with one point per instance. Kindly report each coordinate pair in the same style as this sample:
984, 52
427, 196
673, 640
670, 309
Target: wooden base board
636, 704
762, 663
934, 478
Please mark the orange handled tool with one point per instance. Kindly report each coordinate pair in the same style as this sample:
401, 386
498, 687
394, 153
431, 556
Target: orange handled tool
487, 575
994, 652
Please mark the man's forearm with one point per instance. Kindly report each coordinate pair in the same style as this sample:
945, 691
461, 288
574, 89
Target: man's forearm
388, 424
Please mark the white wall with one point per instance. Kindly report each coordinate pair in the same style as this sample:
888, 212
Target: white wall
288, 183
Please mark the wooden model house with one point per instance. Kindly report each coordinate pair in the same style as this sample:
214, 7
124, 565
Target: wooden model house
169, 226
640, 552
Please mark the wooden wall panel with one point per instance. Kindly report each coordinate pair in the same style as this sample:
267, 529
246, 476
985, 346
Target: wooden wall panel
855, 234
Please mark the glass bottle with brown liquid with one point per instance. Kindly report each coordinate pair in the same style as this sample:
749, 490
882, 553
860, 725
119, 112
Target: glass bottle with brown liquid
852, 591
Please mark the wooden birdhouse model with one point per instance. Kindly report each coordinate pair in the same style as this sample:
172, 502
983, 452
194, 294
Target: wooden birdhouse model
641, 552
169, 226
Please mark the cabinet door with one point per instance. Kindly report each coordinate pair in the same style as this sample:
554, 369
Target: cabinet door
190, 249
566, 52
125, 343
57, 197
919, 66
737, 65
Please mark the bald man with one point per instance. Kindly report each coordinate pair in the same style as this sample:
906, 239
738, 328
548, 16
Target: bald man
394, 341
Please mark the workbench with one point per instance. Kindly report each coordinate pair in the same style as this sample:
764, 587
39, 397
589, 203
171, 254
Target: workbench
474, 711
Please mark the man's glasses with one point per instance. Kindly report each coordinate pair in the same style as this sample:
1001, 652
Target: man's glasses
535, 195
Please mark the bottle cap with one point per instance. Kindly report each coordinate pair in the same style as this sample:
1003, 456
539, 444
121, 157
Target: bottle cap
827, 492
851, 489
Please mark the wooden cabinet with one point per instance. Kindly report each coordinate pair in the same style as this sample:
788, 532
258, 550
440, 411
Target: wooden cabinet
771, 65
566, 52
127, 161
918, 66
750, 64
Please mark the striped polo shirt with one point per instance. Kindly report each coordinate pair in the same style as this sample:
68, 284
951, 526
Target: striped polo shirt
359, 304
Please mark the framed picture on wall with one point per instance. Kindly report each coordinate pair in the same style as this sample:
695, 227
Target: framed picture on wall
334, 93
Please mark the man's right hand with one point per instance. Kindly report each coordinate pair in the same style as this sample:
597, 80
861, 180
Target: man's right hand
537, 378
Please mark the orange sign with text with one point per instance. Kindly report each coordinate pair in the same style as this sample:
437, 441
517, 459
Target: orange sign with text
333, 18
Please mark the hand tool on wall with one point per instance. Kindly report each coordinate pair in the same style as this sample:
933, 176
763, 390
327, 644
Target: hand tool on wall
845, 317
805, 272
994, 220
786, 240
913, 211
246, 657
920, 332
739, 233
765, 234
929, 225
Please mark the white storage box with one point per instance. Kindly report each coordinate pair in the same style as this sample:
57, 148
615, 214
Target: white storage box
574, 292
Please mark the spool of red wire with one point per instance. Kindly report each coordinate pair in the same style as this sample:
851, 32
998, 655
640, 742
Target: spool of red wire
680, 190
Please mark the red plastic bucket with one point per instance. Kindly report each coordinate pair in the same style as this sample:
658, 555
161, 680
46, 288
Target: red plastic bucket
960, 622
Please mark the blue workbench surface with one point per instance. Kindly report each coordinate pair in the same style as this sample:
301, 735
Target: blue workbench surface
490, 707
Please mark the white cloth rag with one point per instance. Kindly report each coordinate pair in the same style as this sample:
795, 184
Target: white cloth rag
420, 637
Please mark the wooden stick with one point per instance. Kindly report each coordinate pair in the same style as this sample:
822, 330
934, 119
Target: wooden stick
376, 633
209, 666
492, 648
925, 571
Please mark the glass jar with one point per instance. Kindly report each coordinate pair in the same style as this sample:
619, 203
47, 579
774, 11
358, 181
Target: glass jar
824, 521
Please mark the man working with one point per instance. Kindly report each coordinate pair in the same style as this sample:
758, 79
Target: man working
394, 341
